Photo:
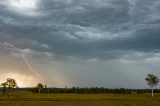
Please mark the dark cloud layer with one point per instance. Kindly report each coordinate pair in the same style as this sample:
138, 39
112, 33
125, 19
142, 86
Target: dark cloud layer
87, 28
83, 29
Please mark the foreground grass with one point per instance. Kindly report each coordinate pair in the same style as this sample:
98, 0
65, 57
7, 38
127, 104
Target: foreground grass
29, 99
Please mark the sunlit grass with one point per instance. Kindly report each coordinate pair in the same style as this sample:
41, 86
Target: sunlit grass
30, 99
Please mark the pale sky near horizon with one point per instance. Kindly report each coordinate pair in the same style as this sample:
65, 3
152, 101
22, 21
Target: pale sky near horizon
86, 43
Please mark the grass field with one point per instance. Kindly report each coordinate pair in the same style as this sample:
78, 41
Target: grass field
29, 99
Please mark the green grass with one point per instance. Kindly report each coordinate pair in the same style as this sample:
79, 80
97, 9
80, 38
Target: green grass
29, 99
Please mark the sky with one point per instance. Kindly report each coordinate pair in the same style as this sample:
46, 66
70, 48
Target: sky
85, 43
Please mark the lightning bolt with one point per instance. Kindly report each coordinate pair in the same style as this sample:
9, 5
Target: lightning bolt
25, 60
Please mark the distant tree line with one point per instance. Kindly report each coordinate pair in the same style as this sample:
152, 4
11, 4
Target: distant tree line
94, 90
78, 90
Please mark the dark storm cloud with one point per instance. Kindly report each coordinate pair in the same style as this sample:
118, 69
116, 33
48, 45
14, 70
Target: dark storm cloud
104, 42
101, 29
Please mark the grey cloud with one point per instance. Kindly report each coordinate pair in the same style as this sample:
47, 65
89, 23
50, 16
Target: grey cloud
97, 33
59, 29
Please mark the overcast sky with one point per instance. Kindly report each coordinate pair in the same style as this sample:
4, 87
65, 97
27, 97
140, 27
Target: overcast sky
86, 43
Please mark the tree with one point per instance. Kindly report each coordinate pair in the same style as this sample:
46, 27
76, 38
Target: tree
152, 81
4, 85
9, 84
40, 86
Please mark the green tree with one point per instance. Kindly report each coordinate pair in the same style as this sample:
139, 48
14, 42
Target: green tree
39, 86
9, 84
4, 85
152, 81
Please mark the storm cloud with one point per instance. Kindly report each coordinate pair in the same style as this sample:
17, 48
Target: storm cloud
110, 43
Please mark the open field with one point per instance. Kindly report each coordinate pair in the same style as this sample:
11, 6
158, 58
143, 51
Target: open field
29, 99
